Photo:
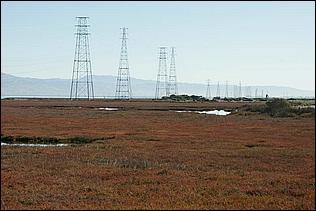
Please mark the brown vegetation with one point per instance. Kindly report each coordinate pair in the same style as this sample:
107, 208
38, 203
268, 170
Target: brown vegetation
155, 158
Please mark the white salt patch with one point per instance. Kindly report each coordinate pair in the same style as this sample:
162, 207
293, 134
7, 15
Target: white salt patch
216, 112
35, 145
109, 109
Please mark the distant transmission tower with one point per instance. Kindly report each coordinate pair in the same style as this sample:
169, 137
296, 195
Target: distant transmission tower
246, 90
162, 83
123, 83
226, 89
173, 88
240, 93
249, 90
81, 83
208, 90
218, 91
235, 91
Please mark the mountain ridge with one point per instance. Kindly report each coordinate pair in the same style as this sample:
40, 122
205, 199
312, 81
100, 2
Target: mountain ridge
104, 86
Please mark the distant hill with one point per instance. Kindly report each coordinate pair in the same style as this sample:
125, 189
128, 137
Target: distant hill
104, 86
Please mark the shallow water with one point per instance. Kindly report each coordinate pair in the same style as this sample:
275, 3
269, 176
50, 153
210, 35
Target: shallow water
109, 109
215, 112
35, 145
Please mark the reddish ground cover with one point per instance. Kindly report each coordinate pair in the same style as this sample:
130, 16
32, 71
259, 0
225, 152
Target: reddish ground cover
155, 158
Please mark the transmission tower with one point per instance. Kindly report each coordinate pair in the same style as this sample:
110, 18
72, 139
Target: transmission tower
173, 88
246, 91
249, 91
208, 90
240, 93
226, 89
235, 91
162, 83
123, 83
81, 83
218, 94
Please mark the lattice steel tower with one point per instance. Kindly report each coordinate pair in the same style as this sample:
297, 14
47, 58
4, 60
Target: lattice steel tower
226, 89
173, 87
248, 91
81, 84
240, 93
235, 91
162, 77
208, 90
123, 83
218, 91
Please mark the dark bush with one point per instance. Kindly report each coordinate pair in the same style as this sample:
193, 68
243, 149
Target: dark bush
79, 140
7, 139
185, 98
48, 140
278, 107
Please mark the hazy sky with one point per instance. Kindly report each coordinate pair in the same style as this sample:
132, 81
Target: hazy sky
259, 43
